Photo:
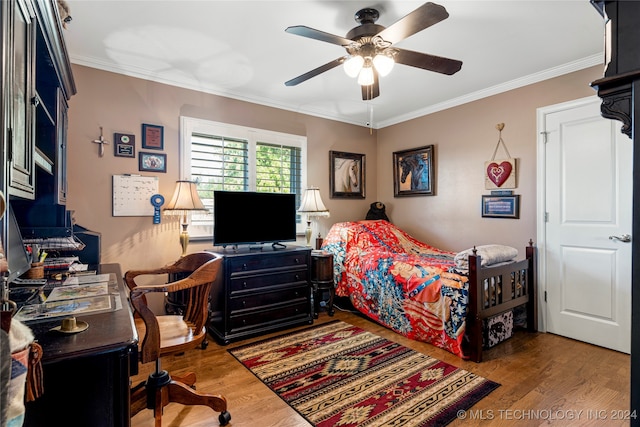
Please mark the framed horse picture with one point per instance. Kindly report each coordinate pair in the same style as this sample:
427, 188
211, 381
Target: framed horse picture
346, 175
413, 172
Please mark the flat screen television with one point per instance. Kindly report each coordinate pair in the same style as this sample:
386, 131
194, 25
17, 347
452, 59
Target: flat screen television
18, 259
245, 217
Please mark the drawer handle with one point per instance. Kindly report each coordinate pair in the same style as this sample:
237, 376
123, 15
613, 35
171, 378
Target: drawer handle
297, 277
244, 285
244, 303
297, 260
244, 266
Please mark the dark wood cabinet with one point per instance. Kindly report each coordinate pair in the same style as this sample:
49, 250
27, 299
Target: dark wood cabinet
322, 280
86, 375
619, 89
37, 82
18, 48
259, 291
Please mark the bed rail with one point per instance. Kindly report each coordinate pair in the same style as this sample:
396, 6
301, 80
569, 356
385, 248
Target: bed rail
496, 289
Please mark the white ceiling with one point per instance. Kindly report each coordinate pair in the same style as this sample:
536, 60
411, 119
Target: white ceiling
239, 49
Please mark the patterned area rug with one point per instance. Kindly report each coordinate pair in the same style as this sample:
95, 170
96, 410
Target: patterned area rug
337, 374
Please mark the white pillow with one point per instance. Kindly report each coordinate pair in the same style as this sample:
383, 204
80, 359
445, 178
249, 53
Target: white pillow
491, 254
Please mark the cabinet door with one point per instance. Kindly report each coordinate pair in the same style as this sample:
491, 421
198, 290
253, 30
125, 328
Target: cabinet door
21, 131
61, 149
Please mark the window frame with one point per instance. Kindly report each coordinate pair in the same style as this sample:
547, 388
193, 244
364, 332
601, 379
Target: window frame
191, 125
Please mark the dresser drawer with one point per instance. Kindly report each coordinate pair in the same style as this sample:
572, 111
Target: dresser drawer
285, 260
272, 315
259, 291
267, 298
259, 281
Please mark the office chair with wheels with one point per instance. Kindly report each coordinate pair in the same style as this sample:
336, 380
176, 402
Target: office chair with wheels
164, 335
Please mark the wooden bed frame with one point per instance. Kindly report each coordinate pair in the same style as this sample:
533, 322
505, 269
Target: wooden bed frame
497, 289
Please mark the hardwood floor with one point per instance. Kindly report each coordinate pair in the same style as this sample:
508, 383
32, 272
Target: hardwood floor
545, 380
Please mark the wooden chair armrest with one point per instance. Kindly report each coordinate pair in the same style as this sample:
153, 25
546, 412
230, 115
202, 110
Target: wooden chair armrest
130, 276
150, 347
176, 286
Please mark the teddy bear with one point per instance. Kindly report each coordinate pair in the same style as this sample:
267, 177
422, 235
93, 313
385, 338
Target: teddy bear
377, 211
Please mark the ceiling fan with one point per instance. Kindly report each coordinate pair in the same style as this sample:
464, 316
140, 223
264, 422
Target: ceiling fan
370, 51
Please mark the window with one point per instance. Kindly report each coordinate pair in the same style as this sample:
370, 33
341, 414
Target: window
220, 156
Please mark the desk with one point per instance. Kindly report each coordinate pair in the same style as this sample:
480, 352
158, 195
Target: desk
86, 375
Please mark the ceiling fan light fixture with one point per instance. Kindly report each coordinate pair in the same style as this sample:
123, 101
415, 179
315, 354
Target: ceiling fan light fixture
370, 51
383, 63
353, 65
365, 78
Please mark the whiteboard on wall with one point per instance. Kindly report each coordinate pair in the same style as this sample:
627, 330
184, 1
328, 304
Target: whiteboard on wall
132, 195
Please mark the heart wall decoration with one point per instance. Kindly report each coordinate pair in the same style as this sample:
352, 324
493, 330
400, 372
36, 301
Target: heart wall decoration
500, 173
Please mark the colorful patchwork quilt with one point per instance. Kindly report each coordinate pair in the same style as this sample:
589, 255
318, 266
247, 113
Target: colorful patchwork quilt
400, 282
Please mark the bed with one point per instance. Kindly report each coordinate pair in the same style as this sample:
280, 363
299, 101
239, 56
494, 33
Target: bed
443, 298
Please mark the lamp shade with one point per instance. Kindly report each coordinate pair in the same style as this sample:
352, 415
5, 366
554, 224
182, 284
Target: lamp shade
185, 198
383, 63
353, 65
365, 78
312, 203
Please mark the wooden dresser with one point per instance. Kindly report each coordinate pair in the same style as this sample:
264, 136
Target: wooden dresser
259, 291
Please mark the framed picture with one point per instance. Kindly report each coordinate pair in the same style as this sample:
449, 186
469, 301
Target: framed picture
124, 145
152, 137
501, 206
152, 162
413, 172
346, 175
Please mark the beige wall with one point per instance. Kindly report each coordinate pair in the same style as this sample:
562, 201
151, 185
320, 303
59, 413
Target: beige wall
464, 137
121, 104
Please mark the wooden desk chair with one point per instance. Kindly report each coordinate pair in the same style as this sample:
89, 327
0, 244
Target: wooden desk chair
170, 334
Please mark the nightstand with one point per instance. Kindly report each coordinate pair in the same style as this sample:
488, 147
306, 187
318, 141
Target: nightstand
322, 280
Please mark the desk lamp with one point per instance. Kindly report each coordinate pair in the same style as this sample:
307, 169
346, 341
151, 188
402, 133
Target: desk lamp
312, 206
185, 199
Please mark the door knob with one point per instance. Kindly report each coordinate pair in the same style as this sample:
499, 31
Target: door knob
624, 238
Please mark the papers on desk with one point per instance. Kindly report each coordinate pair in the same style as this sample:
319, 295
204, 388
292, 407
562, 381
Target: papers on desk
75, 267
89, 278
63, 308
77, 295
78, 291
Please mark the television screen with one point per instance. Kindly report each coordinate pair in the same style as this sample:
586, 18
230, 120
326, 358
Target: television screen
244, 217
17, 257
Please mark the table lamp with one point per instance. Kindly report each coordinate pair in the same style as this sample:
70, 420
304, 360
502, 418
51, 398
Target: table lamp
312, 206
185, 199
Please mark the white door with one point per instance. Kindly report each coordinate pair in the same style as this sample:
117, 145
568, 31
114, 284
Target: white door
587, 223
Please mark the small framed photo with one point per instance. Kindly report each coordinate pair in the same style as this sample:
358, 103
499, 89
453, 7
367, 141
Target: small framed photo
501, 206
152, 162
152, 137
413, 172
346, 175
124, 145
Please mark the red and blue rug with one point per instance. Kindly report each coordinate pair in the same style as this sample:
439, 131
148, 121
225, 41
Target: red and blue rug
336, 374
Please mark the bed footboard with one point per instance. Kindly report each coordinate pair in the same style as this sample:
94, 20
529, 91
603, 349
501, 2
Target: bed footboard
496, 289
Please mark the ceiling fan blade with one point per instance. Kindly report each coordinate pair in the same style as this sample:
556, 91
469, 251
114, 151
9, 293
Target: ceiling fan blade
321, 69
423, 17
311, 33
428, 62
373, 90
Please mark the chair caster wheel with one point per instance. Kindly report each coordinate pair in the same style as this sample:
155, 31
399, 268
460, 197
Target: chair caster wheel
224, 418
